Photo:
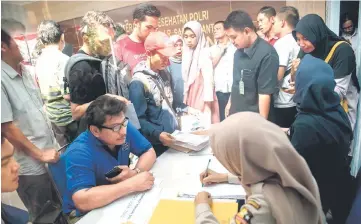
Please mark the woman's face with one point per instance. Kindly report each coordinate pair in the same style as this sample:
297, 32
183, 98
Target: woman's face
305, 44
179, 45
190, 38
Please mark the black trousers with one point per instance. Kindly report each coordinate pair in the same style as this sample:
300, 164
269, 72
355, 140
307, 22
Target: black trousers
35, 191
222, 103
284, 117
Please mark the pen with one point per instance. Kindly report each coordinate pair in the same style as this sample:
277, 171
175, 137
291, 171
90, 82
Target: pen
209, 161
63, 147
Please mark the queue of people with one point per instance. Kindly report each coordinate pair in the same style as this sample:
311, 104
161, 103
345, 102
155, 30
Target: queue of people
281, 106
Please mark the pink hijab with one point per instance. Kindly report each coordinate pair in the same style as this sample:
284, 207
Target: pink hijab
191, 60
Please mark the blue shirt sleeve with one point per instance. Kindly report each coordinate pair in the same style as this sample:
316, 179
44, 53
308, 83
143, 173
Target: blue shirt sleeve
138, 143
80, 170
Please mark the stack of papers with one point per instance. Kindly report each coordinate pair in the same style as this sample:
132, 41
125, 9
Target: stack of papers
190, 141
217, 191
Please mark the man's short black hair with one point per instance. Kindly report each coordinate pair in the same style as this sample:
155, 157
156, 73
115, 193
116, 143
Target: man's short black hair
290, 14
239, 20
101, 107
49, 32
219, 22
269, 11
145, 9
5, 37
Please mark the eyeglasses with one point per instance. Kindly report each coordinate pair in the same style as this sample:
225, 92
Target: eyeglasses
117, 127
347, 27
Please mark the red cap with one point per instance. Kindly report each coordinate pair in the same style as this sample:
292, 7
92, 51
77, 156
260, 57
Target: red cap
160, 42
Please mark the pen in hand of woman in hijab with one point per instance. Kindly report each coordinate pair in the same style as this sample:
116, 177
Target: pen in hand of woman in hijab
280, 186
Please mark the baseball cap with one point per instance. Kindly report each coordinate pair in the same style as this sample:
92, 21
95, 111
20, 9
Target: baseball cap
160, 42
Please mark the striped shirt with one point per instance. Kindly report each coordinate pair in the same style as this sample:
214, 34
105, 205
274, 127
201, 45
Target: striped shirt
50, 72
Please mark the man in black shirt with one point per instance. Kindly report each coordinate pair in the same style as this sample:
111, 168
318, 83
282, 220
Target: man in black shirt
255, 67
86, 82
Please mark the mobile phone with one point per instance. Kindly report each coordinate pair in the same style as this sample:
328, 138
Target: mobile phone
113, 172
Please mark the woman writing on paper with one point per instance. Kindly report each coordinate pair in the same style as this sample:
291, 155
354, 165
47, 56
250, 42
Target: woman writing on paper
281, 190
197, 71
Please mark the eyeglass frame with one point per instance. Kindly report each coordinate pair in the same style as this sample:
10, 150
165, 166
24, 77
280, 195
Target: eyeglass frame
118, 127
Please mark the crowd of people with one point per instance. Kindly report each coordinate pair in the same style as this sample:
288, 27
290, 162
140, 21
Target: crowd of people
280, 103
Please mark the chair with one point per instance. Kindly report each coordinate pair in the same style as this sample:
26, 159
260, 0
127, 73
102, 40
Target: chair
51, 213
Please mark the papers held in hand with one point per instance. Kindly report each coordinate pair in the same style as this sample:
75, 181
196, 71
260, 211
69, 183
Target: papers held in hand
187, 141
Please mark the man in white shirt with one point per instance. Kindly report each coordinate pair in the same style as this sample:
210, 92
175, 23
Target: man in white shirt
222, 54
287, 50
50, 72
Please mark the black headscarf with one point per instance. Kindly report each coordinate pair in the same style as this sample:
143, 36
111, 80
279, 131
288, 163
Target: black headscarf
316, 98
315, 30
323, 39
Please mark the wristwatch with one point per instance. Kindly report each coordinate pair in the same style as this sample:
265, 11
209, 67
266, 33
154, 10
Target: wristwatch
137, 170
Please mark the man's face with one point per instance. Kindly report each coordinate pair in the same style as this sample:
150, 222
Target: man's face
240, 39
9, 168
219, 31
159, 61
278, 25
111, 137
348, 27
264, 23
11, 51
304, 43
99, 40
143, 28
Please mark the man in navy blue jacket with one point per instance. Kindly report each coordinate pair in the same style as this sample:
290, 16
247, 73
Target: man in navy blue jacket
150, 92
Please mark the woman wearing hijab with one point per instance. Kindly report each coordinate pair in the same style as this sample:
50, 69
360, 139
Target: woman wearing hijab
175, 69
322, 134
315, 38
279, 185
197, 71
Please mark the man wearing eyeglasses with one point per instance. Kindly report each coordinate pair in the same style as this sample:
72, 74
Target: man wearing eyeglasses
106, 144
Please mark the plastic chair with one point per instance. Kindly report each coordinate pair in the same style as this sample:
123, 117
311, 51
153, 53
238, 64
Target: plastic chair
51, 213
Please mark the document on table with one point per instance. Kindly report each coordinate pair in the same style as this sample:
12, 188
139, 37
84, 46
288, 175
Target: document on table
168, 211
190, 141
217, 191
135, 208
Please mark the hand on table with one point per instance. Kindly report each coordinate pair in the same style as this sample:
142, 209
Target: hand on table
203, 197
211, 177
166, 139
125, 174
142, 181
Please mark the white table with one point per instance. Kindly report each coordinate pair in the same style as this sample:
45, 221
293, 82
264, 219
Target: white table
177, 170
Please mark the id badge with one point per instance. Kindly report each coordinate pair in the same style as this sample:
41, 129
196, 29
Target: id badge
241, 84
241, 87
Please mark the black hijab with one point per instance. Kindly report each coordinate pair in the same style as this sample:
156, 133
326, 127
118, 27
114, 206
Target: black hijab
315, 30
316, 98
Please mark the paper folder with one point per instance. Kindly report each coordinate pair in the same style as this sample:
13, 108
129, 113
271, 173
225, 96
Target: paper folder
183, 212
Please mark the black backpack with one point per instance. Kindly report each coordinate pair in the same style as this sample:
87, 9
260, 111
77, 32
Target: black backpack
116, 74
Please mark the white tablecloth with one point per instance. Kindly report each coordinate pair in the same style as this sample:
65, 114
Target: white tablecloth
175, 171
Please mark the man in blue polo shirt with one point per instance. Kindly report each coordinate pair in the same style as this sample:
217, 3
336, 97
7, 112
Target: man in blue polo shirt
106, 144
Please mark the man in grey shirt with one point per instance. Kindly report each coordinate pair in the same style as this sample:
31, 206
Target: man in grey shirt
24, 123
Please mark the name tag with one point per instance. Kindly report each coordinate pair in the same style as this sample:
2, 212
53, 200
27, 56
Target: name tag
241, 84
